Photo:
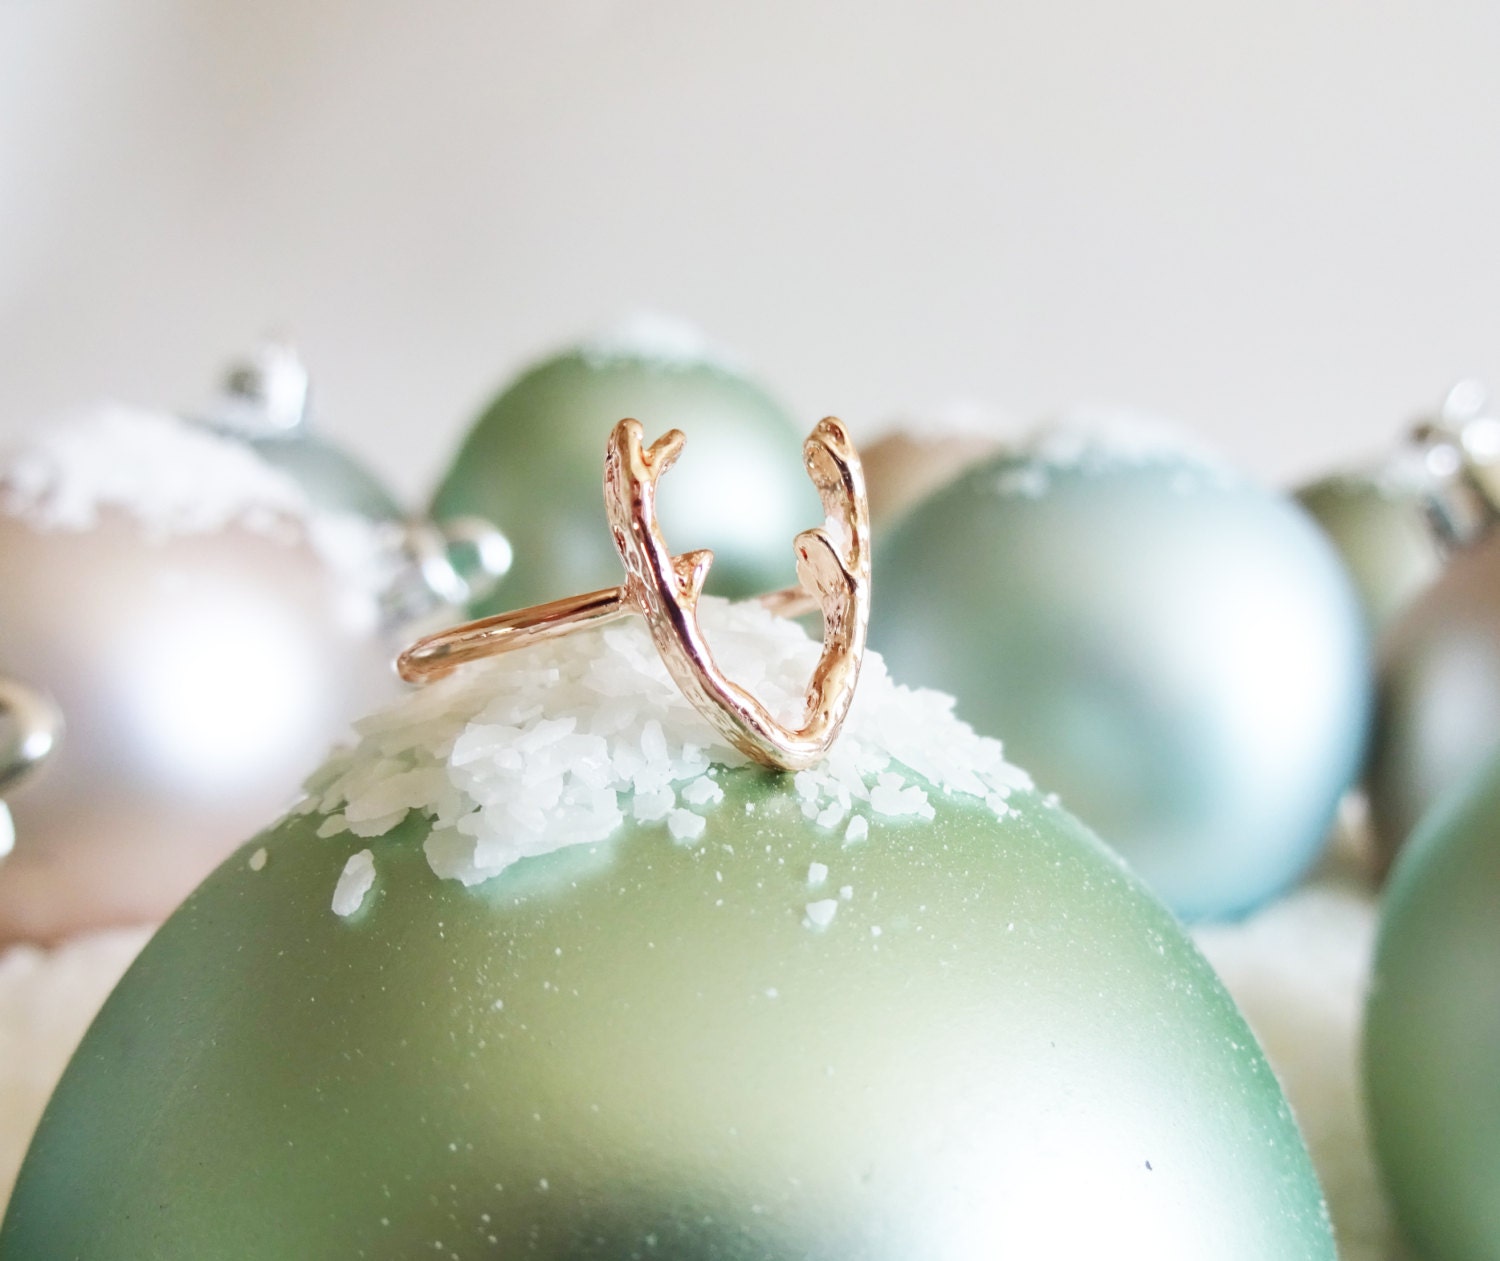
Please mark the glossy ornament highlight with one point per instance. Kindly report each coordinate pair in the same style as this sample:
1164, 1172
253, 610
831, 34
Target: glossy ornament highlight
1432, 1035
582, 983
531, 465
1175, 651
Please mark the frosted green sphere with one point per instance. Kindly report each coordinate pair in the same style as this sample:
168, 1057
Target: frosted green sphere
1432, 1035
1177, 652
999, 1046
533, 465
1383, 537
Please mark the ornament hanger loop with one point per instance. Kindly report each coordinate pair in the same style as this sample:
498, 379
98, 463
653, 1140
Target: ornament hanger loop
30, 727
1455, 454
833, 569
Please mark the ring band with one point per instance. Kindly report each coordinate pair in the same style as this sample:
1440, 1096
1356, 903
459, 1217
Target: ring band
441, 653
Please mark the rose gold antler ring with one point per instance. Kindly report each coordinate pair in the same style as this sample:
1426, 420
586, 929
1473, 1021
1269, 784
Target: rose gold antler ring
833, 570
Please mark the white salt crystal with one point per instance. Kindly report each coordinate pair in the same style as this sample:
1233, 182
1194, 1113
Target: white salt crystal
258, 859
832, 815
1090, 436
886, 798
356, 880
559, 744
667, 341
652, 806
172, 475
820, 913
703, 792
684, 825
176, 478
846, 893
816, 874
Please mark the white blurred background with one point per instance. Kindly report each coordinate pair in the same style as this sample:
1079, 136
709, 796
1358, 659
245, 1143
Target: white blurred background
1273, 221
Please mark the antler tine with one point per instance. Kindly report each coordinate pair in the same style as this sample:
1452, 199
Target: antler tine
653, 460
833, 563
841, 558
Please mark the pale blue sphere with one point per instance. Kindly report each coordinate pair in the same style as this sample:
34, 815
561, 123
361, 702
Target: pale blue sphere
1175, 651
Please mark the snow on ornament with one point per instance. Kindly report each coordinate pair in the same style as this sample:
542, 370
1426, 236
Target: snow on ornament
204, 632
1175, 651
488, 990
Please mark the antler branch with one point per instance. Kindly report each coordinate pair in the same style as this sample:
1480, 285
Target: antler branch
833, 565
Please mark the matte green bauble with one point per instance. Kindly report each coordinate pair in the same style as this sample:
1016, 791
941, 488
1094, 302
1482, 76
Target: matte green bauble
530, 464
1384, 537
1438, 694
640, 1040
1432, 1037
752, 1025
1176, 652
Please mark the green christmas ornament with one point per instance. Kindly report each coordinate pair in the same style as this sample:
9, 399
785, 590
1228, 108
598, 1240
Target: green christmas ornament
1176, 652
547, 969
1384, 535
531, 465
1395, 525
1432, 1034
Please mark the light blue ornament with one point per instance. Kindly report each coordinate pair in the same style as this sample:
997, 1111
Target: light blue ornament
1175, 651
